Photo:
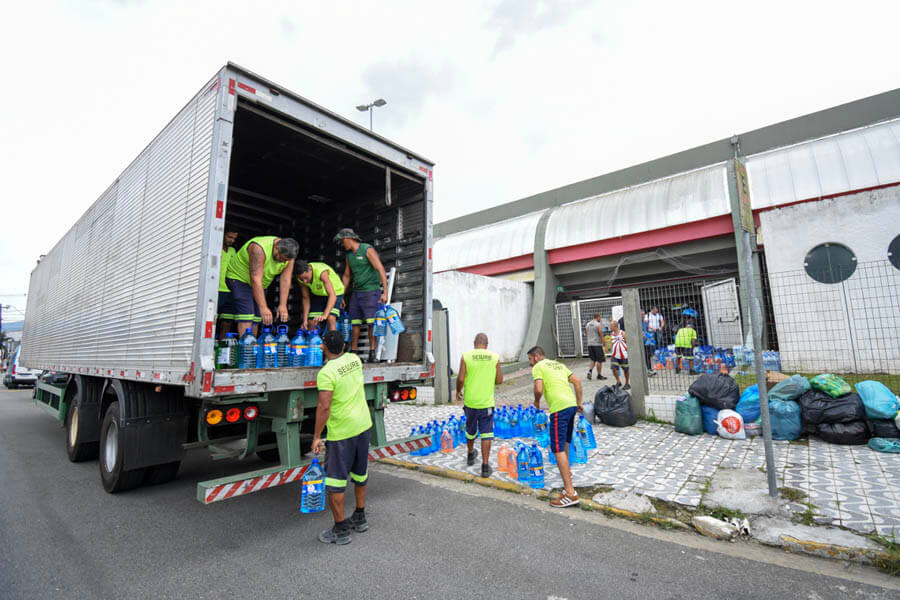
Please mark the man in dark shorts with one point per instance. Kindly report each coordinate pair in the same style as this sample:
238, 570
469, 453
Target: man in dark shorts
322, 293
225, 311
479, 371
554, 381
342, 407
685, 340
369, 285
250, 272
594, 333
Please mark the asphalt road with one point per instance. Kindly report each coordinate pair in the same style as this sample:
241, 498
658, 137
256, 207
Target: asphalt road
62, 536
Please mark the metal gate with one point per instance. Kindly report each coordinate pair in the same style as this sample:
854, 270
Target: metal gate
566, 341
723, 314
586, 311
571, 318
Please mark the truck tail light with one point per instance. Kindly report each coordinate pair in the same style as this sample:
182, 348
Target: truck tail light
251, 412
233, 415
214, 417
403, 393
412, 393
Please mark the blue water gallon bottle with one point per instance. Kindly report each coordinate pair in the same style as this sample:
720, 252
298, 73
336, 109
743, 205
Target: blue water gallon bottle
346, 326
283, 345
380, 327
393, 320
522, 460
312, 488
247, 350
314, 354
536, 466
298, 349
227, 355
586, 432
580, 450
267, 354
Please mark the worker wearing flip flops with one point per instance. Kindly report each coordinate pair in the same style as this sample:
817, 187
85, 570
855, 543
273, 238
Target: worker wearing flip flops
555, 381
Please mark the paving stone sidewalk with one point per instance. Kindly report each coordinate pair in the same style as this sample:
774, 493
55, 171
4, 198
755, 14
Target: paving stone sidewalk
855, 486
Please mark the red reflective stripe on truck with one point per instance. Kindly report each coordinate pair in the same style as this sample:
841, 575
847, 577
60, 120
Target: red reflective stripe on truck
253, 484
378, 378
207, 381
220, 209
429, 254
309, 384
429, 335
247, 88
223, 389
231, 86
209, 329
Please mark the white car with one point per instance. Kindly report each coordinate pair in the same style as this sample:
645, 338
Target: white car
16, 375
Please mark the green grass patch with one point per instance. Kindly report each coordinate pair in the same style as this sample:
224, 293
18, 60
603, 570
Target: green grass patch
651, 417
792, 494
891, 381
890, 563
723, 514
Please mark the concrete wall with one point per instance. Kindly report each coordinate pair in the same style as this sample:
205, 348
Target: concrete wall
849, 326
498, 307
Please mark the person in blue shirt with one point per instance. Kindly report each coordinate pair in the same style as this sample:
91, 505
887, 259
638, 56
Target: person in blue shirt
649, 344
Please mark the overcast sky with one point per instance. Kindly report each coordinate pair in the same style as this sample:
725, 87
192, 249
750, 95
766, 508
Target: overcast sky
509, 97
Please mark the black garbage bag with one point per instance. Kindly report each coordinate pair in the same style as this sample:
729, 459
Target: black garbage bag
848, 434
818, 407
717, 391
883, 428
612, 406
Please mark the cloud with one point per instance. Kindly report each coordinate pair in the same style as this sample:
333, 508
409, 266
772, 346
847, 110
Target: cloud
512, 19
406, 85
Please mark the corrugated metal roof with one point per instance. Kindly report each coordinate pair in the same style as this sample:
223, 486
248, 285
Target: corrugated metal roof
497, 241
843, 162
684, 198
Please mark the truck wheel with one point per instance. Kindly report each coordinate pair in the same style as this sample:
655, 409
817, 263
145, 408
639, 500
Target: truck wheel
112, 453
77, 449
158, 474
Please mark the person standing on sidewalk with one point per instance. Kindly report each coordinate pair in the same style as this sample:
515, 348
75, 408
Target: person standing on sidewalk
342, 407
685, 340
619, 354
479, 372
655, 324
552, 380
649, 345
370, 285
594, 333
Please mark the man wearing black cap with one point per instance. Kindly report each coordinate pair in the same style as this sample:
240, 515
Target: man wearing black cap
369, 284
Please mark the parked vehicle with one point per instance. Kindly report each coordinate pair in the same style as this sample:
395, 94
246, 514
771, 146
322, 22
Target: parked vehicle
126, 301
16, 375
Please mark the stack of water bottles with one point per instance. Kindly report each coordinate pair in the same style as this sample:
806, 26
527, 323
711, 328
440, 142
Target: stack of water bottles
445, 436
744, 358
387, 317
270, 351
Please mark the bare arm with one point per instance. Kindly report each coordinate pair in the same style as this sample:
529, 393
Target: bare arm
332, 297
460, 379
304, 306
284, 289
323, 410
578, 391
257, 263
345, 278
538, 392
499, 378
374, 259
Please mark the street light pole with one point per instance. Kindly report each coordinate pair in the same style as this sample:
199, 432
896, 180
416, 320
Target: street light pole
369, 107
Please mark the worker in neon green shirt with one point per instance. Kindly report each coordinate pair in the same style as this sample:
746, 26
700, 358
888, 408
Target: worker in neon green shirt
555, 381
685, 340
322, 293
225, 312
252, 269
342, 408
479, 372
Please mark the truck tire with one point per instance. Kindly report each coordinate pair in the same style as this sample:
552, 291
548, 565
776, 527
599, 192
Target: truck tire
112, 451
158, 474
77, 449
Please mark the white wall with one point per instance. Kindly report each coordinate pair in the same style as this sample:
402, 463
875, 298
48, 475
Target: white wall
498, 307
854, 326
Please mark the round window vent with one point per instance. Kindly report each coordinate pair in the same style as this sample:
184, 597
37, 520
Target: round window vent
894, 252
830, 263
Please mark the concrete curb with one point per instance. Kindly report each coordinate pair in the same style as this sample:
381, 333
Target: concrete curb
860, 555
516, 488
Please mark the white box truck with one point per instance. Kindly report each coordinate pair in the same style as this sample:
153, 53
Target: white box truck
125, 302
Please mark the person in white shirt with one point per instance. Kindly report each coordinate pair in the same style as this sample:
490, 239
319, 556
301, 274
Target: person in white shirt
655, 325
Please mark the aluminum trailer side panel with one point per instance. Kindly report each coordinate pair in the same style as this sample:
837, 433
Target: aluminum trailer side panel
118, 294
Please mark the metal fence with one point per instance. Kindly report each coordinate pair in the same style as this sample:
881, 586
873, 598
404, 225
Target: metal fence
571, 319
849, 327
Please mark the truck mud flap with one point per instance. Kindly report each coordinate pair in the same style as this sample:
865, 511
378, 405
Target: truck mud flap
216, 490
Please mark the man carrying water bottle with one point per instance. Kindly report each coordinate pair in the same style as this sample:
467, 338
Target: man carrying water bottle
252, 270
552, 380
369, 285
342, 407
479, 371
322, 293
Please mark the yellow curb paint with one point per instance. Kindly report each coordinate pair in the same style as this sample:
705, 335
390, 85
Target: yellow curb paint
501, 485
400, 463
832, 551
